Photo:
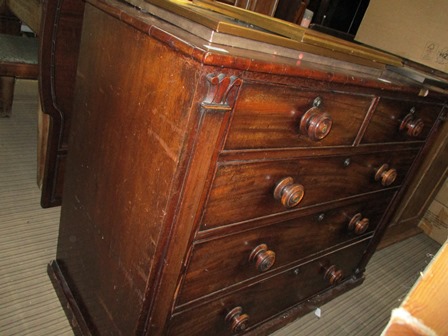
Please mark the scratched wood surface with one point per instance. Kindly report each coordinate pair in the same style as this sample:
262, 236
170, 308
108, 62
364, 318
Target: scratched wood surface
29, 306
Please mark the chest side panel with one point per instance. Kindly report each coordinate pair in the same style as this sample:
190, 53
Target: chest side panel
128, 133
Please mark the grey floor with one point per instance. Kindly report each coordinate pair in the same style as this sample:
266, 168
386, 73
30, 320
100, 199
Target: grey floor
28, 233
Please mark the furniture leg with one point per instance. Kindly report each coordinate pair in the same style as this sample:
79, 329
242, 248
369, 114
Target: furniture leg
6, 95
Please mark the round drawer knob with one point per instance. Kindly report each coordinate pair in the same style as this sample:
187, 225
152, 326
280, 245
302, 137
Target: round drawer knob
385, 175
264, 259
413, 126
358, 224
316, 124
288, 193
333, 275
237, 320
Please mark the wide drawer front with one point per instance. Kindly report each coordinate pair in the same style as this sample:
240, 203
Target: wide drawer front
222, 262
399, 121
267, 298
245, 191
269, 116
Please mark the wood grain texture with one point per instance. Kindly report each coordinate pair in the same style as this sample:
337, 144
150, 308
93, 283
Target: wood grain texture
268, 116
268, 297
223, 262
427, 299
423, 310
59, 46
429, 179
159, 217
389, 114
135, 175
251, 184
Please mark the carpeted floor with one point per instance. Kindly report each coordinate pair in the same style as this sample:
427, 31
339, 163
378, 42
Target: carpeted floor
28, 233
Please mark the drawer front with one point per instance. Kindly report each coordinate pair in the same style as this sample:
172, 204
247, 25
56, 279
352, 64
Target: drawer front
400, 121
268, 116
267, 298
222, 262
247, 191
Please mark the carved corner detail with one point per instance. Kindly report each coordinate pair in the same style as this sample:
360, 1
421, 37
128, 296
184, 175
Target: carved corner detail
222, 91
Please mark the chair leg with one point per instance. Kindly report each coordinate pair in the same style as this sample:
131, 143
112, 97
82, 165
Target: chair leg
6, 95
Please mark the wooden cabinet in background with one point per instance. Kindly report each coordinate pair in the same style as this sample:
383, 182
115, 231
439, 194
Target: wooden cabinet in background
220, 191
58, 28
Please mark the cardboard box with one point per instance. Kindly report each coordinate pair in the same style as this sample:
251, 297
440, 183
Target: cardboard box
435, 221
415, 30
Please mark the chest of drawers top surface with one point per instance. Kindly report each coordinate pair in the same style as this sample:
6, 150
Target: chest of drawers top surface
182, 26
215, 183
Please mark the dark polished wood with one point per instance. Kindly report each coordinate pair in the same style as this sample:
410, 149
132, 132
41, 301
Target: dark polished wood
181, 212
358, 224
12, 64
59, 46
58, 26
316, 124
428, 180
224, 261
270, 116
288, 193
270, 296
68, 300
251, 184
291, 10
263, 258
386, 123
333, 274
238, 320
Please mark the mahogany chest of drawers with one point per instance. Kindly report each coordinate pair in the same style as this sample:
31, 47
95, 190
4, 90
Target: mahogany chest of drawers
219, 193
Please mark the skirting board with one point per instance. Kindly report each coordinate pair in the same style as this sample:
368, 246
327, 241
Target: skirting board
68, 302
80, 327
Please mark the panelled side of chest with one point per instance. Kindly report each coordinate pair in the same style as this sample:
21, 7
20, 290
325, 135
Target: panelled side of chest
140, 144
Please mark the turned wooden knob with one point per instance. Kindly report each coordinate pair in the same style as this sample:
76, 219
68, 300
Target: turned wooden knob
413, 125
385, 175
316, 124
237, 320
289, 193
264, 259
333, 275
358, 224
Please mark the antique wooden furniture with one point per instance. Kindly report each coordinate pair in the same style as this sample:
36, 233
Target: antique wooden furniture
60, 32
58, 26
291, 11
217, 190
428, 180
18, 59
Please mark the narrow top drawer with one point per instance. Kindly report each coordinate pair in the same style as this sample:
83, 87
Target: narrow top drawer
273, 116
400, 121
